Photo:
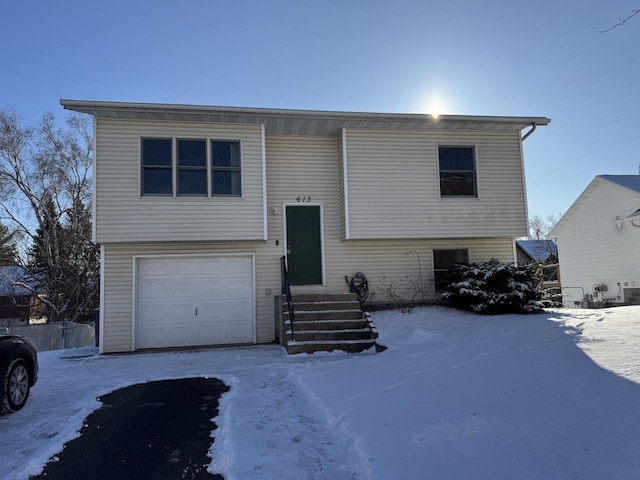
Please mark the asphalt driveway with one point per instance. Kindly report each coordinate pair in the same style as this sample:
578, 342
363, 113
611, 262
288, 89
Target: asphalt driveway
156, 430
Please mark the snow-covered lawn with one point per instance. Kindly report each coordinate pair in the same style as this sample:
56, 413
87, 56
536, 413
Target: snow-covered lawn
456, 396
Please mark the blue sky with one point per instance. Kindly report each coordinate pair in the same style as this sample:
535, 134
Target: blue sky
512, 57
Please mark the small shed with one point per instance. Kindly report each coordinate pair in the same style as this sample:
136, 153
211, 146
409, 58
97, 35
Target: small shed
16, 298
536, 251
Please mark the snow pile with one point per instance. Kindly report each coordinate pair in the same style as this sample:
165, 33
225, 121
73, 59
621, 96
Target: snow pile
551, 396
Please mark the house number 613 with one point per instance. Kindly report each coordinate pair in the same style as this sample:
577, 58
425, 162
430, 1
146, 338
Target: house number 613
303, 199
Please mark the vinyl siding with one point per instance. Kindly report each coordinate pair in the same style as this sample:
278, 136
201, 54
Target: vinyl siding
393, 184
593, 250
123, 215
296, 167
306, 166
382, 262
119, 319
386, 262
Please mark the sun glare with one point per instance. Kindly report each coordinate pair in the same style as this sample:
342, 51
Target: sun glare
435, 105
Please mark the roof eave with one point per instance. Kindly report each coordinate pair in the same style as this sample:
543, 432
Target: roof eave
292, 121
555, 231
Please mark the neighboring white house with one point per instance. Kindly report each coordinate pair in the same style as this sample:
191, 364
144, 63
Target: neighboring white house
598, 240
194, 207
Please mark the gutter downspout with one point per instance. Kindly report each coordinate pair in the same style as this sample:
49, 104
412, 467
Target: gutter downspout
533, 129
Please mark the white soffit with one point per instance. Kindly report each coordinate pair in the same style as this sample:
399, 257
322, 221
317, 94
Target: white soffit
299, 122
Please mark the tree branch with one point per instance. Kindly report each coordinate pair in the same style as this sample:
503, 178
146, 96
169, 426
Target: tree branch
621, 21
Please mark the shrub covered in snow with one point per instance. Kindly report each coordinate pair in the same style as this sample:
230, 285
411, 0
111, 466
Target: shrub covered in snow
491, 288
551, 298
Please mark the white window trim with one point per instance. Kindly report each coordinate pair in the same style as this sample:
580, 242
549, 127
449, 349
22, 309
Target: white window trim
177, 167
174, 169
210, 161
433, 260
475, 172
141, 166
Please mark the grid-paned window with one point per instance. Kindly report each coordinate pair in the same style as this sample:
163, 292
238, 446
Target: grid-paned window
192, 167
443, 260
225, 168
457, 171
157, 169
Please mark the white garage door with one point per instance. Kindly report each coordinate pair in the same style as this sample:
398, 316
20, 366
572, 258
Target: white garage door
188, 301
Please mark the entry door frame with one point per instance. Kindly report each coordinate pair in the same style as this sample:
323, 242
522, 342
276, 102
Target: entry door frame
322, 246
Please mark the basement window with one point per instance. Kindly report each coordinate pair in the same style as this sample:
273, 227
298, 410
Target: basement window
443, 260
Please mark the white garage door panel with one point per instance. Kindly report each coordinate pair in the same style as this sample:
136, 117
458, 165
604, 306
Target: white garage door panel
195, 301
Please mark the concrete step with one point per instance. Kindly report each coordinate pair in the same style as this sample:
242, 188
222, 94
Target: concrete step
300, 315
324, 297
327, 324
352, 346
328, 305
330, 335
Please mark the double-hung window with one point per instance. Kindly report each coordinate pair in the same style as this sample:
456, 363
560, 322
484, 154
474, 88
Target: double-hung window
157, 166
225, 170
457, 171
443, 260
191, 167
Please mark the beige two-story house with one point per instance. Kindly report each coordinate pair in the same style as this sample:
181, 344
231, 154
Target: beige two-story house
194, 207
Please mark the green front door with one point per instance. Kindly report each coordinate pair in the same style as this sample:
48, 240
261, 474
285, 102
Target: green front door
304, 245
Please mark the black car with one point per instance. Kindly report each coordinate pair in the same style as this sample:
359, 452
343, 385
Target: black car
18, 371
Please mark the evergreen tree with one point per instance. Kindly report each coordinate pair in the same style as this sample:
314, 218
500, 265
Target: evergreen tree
81, 268
44, 251
64, 261
8, 251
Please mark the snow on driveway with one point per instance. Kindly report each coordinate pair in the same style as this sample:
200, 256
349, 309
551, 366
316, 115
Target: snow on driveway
549, 396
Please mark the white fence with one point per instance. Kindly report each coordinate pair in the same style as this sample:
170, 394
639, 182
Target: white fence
57, 336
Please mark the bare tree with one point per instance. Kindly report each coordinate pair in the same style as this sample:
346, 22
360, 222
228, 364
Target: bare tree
539, 226
45, 182
621, 20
